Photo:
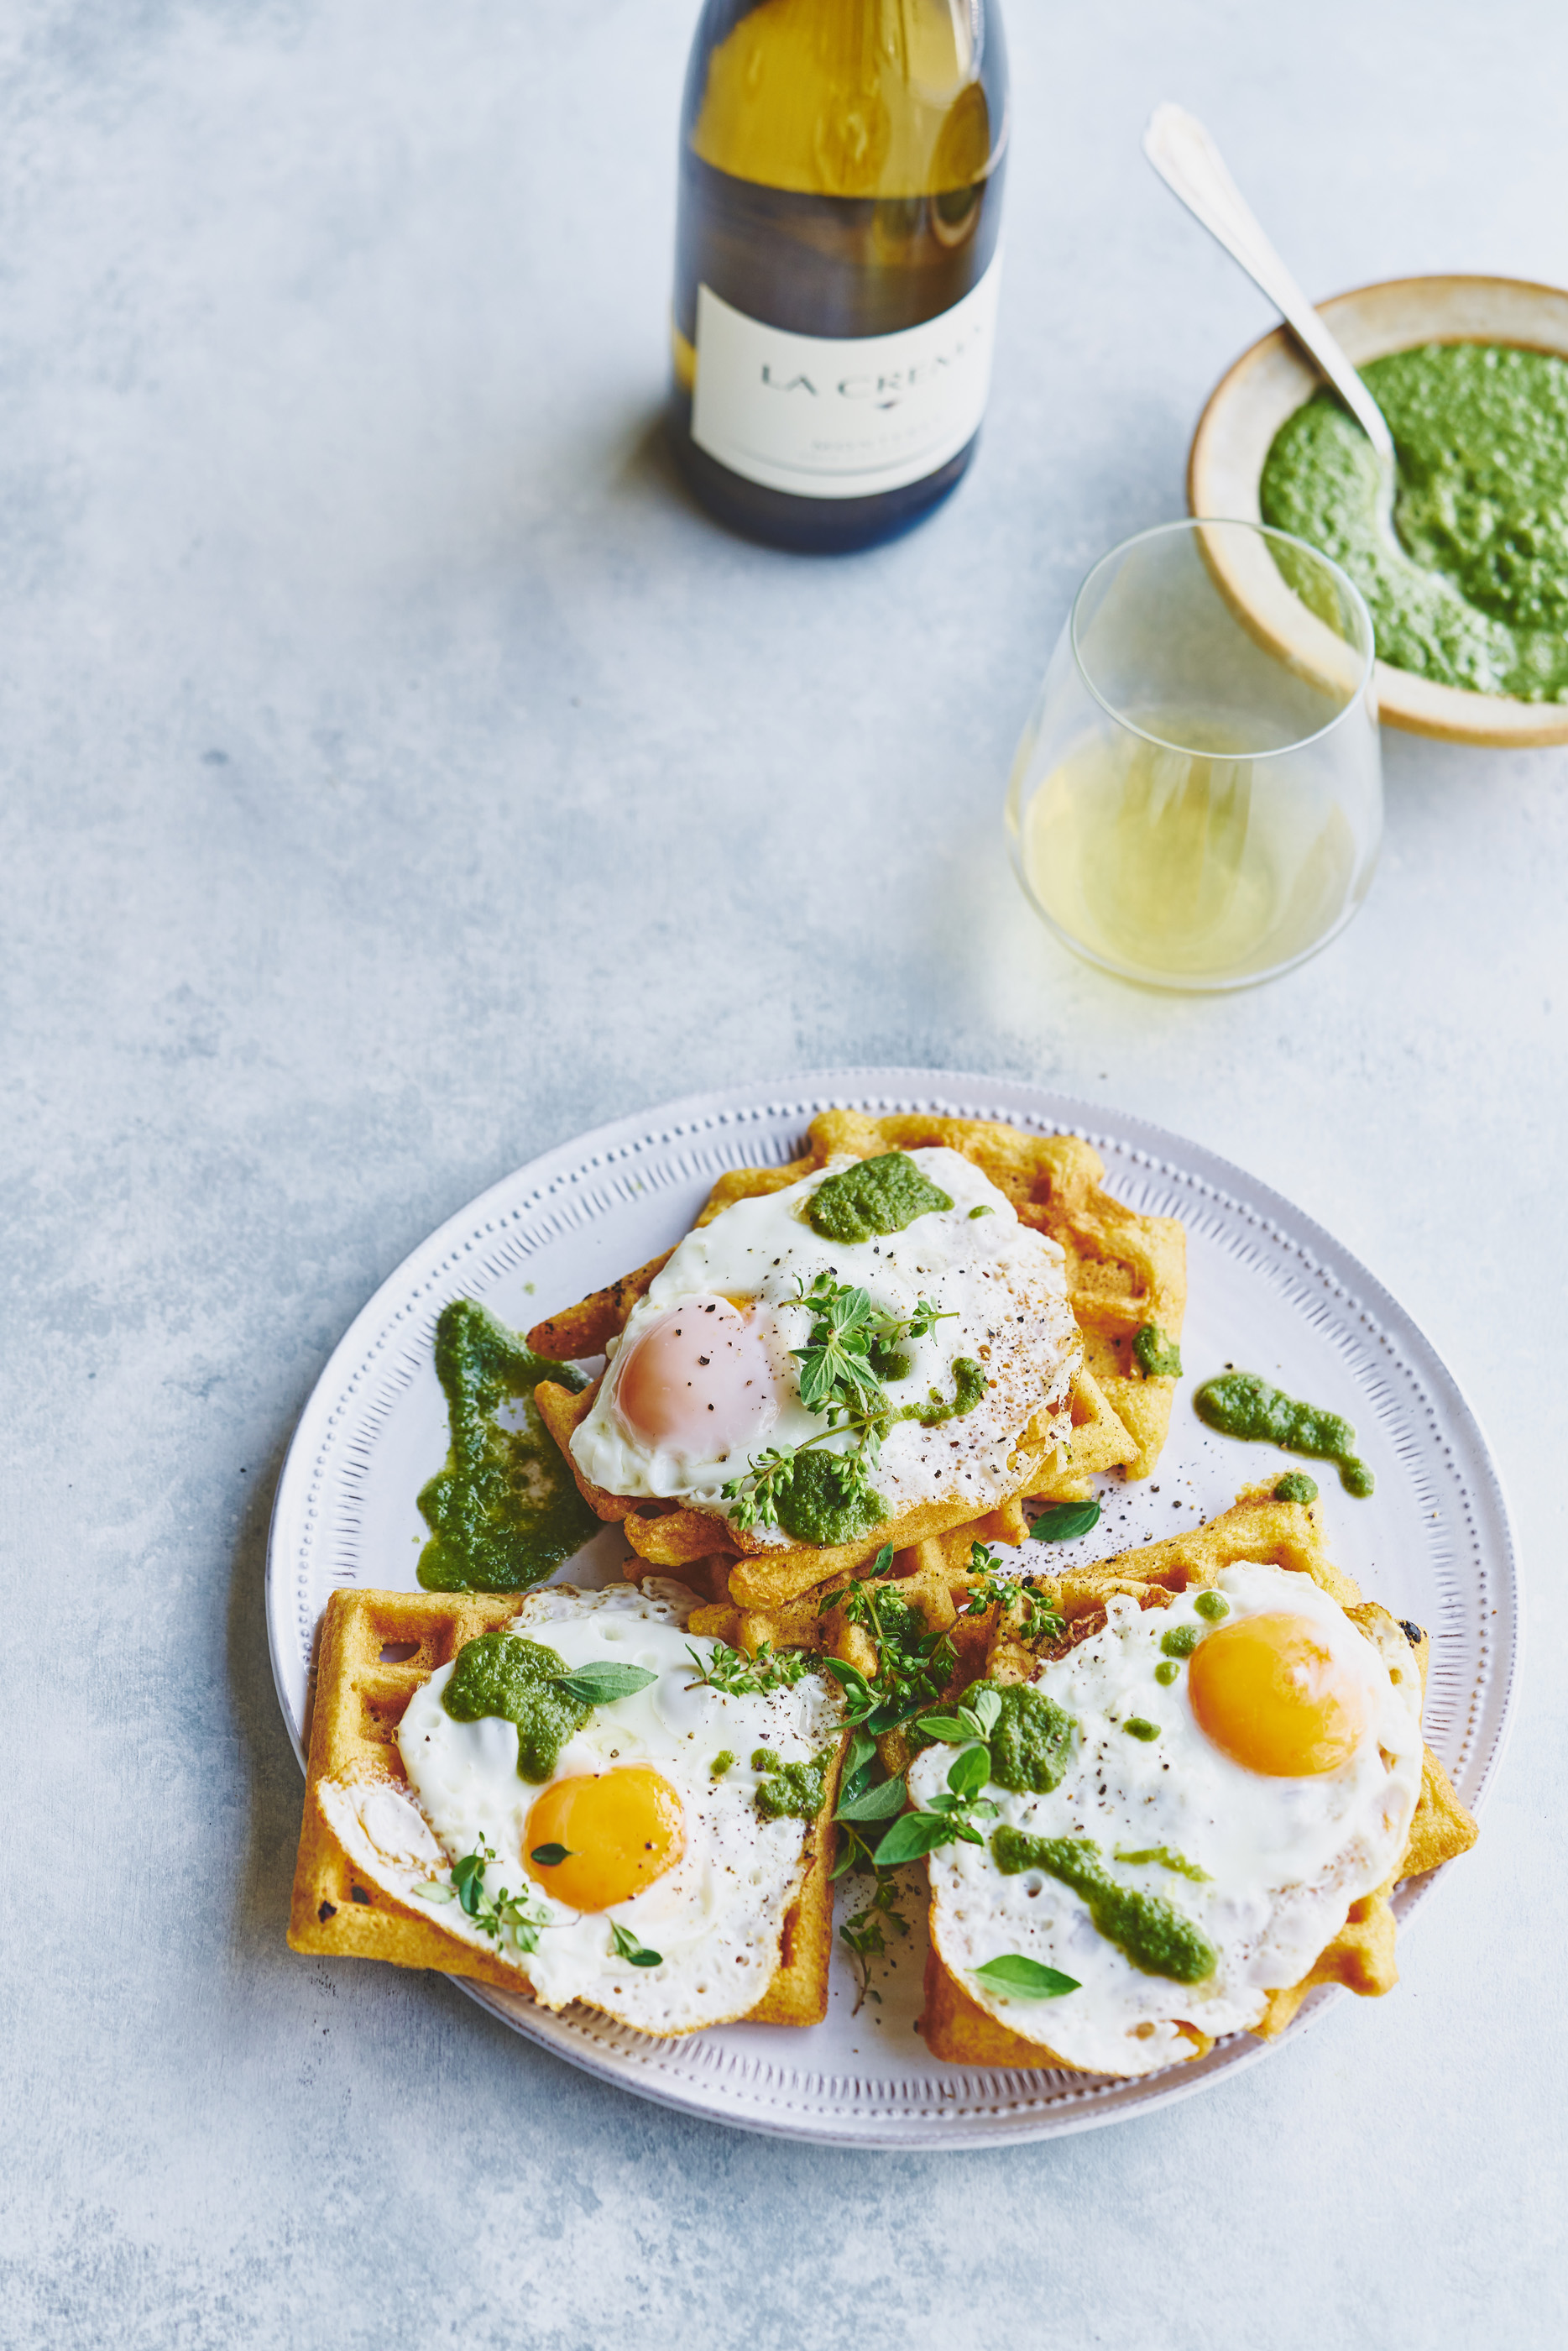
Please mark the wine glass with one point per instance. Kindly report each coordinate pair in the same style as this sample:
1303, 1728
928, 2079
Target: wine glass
1197, 800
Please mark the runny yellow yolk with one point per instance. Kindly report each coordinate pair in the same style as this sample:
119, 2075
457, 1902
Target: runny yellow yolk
1270, 1693
620, 1829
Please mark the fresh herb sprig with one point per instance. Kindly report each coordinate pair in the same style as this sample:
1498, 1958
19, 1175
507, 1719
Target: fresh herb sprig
951, 1815
913, 1666
866, 1935
601, 1685
738, 1675
1065, 1521
865, 1805
997, 1588
967, 1722
759, 1490
624, 1945
851, 1350
1022, 1978
847, 1357
514, 1919
947, 1817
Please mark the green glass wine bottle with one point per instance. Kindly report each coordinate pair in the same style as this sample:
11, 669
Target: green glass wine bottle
836, 260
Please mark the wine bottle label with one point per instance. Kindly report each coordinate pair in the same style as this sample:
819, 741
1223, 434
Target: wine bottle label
829, 417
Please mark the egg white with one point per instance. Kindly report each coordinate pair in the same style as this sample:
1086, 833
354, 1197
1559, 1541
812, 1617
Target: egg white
1004, 1284
716, 1917
1285, 1858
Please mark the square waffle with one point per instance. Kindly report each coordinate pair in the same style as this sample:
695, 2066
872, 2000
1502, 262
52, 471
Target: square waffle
1124, 1271
1255, 1528
377, 1649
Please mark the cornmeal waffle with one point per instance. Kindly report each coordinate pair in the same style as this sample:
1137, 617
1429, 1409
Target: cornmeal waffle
1256, 1528
1124, 1271
377, 1649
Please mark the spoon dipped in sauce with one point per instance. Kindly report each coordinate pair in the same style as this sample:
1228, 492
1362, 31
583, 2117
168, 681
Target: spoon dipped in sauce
1191, 166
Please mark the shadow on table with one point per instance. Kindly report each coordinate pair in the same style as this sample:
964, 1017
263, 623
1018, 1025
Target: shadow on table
271, 1773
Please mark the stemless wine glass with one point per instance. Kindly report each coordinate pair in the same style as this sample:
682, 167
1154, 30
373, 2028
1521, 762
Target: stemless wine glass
1197, 800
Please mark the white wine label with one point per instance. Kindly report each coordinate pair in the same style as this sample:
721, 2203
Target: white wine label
827, 417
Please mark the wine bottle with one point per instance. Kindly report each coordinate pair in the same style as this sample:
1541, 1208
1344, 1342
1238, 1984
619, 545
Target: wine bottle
836, 260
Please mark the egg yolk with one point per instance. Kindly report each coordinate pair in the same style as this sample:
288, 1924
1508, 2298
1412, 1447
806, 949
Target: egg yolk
1272, 1694
620, 1830
700, 1378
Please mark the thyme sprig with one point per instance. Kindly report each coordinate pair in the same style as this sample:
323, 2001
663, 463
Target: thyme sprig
996, 1588
514, 1919
866, 1935
738, 1675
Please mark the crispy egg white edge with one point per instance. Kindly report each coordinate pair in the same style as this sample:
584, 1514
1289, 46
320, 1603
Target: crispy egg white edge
1032, 1266
967, 1876
388, 1837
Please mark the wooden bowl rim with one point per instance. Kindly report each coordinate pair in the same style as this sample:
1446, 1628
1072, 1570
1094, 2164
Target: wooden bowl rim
1446, 713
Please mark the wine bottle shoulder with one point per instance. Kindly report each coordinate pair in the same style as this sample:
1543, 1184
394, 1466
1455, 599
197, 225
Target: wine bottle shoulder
849, 99
829, 265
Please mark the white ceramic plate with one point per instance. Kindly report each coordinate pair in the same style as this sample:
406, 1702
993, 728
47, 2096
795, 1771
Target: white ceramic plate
1270, 1292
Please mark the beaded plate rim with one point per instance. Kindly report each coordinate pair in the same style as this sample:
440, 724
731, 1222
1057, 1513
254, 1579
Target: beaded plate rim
586, 1178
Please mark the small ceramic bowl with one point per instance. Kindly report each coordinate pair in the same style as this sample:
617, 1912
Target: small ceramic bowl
1270, 382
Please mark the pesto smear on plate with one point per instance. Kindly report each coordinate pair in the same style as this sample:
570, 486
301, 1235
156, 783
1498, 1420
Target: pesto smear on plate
1473, 591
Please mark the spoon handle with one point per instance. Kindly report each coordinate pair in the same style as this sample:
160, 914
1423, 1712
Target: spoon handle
1191, 166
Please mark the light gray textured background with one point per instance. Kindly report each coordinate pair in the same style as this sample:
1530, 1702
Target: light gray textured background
399, 777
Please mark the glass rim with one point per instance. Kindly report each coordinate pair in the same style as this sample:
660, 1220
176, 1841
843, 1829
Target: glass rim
1189, 523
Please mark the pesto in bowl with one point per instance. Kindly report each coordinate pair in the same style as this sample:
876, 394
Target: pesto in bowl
1473, 591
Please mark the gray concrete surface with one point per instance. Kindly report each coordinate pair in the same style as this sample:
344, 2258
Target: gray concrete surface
399, 777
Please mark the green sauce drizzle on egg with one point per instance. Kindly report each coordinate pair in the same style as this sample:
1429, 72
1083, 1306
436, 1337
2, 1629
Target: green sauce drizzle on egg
1157, 1937
502, 1674
874, 1197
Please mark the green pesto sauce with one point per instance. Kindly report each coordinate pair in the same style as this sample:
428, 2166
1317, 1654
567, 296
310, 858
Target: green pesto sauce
874, 1197
1166, 1859
505, 1510
1155, 1937
1158, 1358
819, 1502
970, 1383
1214, 1605
502, 1674
791, 1790
1238, 1404
1296, 1487
1474, 592
1033, 1739
1180, 1641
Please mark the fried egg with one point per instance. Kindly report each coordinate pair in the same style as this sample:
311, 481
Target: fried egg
656, 1842
704, 1376
1248, 1758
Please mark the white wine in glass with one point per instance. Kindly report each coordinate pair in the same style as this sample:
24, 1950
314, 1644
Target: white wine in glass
1196, 802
